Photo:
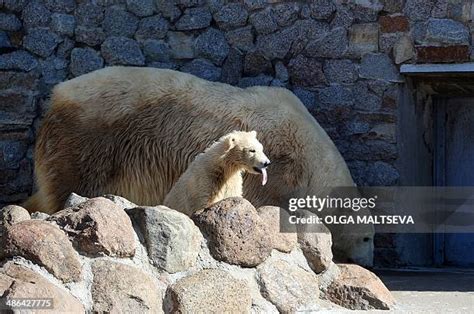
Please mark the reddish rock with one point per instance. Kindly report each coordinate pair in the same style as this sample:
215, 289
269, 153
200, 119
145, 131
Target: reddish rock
45, 244
356, 288
393, 24
20, 282
98, 226
119, 288
236, 234
209, 291
282, 241
456, 53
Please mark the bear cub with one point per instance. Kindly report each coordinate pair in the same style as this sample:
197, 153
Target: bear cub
216, 173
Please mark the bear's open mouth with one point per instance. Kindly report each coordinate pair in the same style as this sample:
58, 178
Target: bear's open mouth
257, 169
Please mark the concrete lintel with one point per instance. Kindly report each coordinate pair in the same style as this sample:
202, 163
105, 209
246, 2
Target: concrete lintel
424, 69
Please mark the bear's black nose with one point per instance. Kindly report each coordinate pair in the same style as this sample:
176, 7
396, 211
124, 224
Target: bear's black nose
266, 164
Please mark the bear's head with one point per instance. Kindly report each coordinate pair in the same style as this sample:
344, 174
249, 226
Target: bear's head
244, 150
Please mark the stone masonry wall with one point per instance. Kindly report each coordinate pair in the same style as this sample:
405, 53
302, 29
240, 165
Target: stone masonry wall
340, 57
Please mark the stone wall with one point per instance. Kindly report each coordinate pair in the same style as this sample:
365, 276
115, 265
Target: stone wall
340, 57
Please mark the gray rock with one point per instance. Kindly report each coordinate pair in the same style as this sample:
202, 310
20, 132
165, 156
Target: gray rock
336, 96
41, 41
343, 17
54, 70
163, 65
276, 45
39, 216
366, 11
305, 31
74, 200
281, 72
91, 36
231, 16
264, 21
202, 68
172, 239
357, 127
322, 9
241, 38
306, 71
61, 6
307, 97
378, 66
18, 60
418, 32
64, 48
290, 288
255, 63
89, 14
154, 27
194, 18
260, 80
277, 219
181, 44
212, 45
9, 22
382, 174
156, 50
63, 24
168, 9
122, 50
118, 22
333, 45
85, 60
10, 215
446, 32
393, 6
14, 5
120, 201
232, 67
418, 10
141, 7
386, 42
35, 14
191, 3
255, 4
4, 40
285, 14
340, 71
364, 99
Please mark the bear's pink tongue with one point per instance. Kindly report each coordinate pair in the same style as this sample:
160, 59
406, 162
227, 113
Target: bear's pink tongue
264, 176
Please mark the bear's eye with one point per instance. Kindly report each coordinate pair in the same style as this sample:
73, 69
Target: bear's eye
252, 150
366, 239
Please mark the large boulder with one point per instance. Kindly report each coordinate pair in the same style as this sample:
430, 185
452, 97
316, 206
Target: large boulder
119, 288
172, 239
356, 288
18, 282
236, 233
289, 287
45, 244
209, 291
97, 227
12, 214
281, 241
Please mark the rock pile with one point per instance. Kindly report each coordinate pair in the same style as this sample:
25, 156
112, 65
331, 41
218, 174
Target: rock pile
106, 254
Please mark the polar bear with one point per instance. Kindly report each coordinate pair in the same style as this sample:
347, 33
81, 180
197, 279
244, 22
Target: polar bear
133, 131
216, 173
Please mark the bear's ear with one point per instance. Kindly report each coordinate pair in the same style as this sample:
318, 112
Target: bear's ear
253, 133
229, 142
